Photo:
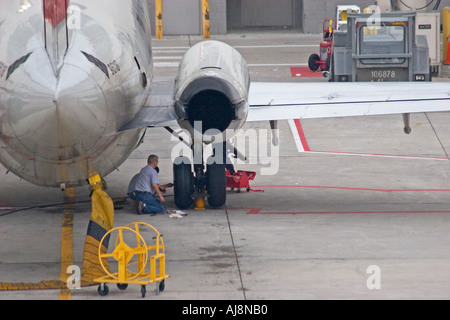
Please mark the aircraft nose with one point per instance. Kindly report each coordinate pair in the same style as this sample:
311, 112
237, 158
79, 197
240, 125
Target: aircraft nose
62, 120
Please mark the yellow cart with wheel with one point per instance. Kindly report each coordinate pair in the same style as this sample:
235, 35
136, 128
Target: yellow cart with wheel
133, 261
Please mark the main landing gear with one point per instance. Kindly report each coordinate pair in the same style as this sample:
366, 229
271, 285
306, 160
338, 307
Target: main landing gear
194, 186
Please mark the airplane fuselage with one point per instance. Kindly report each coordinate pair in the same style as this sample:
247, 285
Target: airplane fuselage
68, 83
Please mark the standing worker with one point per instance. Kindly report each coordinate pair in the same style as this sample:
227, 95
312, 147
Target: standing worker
147, 190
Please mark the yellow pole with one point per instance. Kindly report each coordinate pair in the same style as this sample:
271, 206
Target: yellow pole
445, 32
159, 19
205, 18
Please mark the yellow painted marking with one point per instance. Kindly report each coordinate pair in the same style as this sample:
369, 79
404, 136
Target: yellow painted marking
66, 258
66, 252
103, 215
67, 243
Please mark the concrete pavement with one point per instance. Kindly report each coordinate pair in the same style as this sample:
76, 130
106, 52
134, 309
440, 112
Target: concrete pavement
363, 215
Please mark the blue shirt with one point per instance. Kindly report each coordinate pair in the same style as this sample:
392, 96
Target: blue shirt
132, 185
145, 179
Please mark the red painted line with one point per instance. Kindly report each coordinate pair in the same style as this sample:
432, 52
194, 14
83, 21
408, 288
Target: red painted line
258, 211
4, 205
301, 134
353, 188
304, 72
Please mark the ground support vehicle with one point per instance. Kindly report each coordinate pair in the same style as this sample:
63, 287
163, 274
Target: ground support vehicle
381, 47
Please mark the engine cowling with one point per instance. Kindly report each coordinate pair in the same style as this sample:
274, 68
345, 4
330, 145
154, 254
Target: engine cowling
211, 91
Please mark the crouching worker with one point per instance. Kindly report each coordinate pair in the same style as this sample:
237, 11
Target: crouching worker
131, 192
147, 191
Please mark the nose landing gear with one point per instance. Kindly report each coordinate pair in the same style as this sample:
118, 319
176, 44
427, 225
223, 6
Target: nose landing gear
194, 187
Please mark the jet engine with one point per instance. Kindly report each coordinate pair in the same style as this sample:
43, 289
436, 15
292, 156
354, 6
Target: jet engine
211, 91
211, 94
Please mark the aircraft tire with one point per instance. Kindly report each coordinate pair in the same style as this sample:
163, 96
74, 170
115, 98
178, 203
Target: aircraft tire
183, 183
216, 185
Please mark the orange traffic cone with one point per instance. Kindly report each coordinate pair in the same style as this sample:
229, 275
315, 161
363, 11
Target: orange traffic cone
447, 59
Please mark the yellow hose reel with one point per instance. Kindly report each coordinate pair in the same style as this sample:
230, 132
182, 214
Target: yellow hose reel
133, 261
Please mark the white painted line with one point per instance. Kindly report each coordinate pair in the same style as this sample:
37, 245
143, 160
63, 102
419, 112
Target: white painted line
248, 47
170, 48
278, 46
378, 155
175, 64
166, 64
277, 64
169, 51
296, 136
168, 58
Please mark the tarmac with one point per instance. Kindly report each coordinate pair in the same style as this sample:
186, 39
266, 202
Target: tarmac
352, 208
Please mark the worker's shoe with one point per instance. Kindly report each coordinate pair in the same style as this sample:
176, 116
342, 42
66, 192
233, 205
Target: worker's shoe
140, 207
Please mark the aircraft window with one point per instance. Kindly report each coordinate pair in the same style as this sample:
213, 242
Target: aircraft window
97, 63
17, 64
144, 80
137, 62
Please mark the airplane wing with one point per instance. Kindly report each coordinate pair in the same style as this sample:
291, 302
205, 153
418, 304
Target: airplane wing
294, 100
158, 110
282, 101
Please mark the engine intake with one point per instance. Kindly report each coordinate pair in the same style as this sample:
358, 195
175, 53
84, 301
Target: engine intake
212, 108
